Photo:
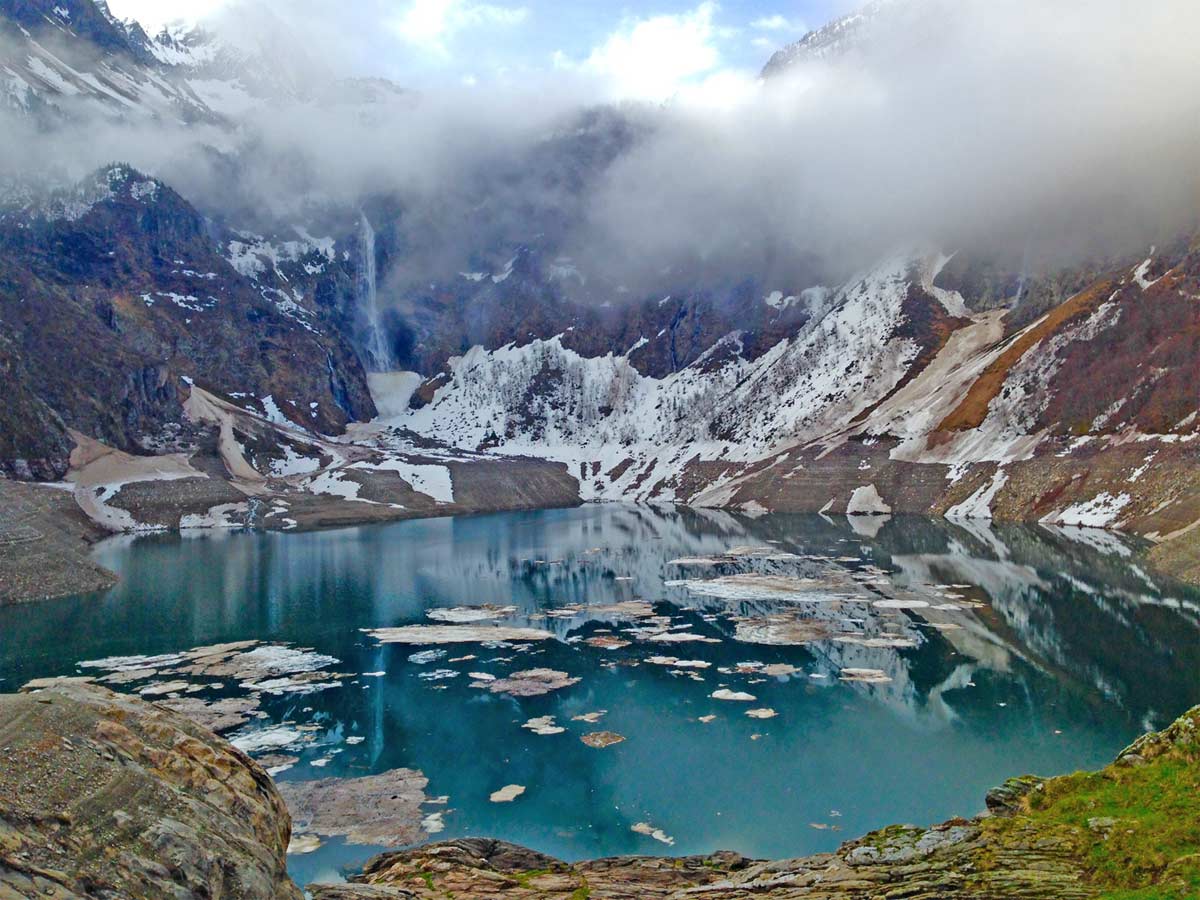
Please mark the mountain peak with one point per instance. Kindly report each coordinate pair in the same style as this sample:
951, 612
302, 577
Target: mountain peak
87, 19
835, 39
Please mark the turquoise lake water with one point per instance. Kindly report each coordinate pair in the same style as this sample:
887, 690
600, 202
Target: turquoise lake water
976, 652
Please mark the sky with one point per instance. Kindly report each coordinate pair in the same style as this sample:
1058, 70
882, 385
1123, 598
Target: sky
650, 50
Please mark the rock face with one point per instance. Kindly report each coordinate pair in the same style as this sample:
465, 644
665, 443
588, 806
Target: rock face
1132, 827
114, 294
102, 795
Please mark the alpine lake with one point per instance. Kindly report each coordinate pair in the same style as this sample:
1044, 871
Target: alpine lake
617, 680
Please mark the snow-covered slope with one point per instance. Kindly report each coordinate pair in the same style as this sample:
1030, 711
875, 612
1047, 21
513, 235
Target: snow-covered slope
894, 397
71, 57
629, 435
830, 41
74, 58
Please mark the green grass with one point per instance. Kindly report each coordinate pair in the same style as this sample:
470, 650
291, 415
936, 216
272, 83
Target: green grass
523, 878
1156, 838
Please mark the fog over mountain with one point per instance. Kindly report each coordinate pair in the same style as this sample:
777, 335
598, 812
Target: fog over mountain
1072, 126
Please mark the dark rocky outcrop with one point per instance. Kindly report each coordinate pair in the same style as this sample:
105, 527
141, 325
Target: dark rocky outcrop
111, 294
105, 796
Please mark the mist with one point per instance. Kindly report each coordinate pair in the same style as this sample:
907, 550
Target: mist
1072, 126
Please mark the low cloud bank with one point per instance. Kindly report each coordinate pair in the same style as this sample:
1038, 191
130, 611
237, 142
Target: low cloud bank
1071, 127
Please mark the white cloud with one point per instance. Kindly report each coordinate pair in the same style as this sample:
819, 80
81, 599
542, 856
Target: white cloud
653, 58
724, 89
431, 24
153, 14
776, 23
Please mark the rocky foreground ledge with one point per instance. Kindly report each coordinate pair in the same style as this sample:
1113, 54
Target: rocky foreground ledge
106, 796
103, 795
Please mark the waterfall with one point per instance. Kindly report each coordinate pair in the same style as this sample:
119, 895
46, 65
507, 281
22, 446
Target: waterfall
1024, 271
379, 357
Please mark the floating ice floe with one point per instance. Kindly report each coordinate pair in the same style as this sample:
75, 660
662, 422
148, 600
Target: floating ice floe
621, 611
657, 833
733, 696
266, 661
544, 725
780, 670
765, 713
383, 809
678, 637
215, 715
133, 663
507, 794
274, 738
606, 642
162, 688
532, 683
753, 586
425, 657
456, 634
463, 615
590, 718
302, 684
304, 843
277, 763
780, 631
676, 663
894, 642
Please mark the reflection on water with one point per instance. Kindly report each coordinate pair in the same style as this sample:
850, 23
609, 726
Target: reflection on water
990, 651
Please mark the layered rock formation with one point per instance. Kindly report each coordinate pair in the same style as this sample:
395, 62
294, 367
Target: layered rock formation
102, 795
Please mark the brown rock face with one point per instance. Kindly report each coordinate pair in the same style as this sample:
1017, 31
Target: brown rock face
105, 796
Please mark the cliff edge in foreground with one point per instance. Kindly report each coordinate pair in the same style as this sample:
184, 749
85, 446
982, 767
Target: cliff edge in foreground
106, 796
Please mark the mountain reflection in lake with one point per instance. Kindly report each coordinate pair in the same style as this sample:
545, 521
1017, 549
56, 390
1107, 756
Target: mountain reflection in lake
898, 668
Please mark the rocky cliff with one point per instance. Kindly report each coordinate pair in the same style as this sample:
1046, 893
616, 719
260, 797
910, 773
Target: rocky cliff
102, 796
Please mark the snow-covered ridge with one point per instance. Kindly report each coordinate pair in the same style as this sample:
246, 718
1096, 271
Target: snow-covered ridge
632, 434
77, 60
73, 203
868, 380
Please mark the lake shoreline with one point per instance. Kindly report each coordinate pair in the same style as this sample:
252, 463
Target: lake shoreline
57, 562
